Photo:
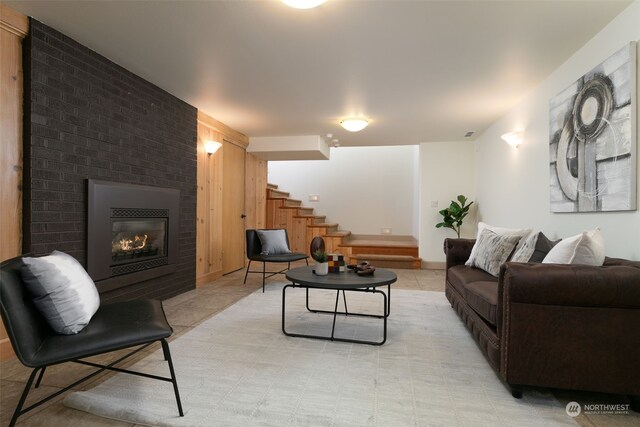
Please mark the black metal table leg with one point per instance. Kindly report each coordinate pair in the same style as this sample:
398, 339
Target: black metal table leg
335, 312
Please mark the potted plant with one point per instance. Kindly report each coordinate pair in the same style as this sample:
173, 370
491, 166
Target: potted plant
453, 215
322, 266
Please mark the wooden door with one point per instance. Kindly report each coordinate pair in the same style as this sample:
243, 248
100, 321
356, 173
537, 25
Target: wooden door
233, 238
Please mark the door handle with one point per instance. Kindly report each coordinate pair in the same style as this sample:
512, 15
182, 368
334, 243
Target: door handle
243, 216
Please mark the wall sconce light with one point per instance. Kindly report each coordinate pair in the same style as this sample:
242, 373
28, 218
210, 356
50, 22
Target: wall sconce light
212, 146
513, 138
354, 124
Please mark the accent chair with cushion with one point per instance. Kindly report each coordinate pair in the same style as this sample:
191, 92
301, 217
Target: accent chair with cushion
270, 246
30, 312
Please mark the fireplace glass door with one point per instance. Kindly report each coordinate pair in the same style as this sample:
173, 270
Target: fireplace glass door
134, 240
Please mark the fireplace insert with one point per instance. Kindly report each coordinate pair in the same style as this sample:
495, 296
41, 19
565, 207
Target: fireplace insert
131, 228
134, 239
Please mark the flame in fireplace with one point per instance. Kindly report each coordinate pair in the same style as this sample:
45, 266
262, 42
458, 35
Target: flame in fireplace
138, 242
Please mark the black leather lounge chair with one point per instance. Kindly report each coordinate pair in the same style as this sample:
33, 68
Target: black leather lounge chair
113, 327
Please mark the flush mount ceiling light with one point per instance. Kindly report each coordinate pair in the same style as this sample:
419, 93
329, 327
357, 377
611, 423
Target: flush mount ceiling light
354, 125
513, 138
303, 4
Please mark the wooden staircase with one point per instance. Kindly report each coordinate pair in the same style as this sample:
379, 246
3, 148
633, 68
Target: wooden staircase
302, 225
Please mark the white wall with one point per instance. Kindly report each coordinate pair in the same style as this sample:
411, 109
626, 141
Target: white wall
363, 189
446, 170
512, 185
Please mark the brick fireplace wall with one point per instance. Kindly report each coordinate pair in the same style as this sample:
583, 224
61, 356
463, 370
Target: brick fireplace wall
87, 117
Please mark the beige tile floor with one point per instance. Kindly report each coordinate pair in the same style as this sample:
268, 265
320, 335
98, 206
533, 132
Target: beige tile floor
185, 312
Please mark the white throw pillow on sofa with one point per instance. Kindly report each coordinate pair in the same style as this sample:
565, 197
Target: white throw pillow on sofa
500, 231
62, 291
586, 248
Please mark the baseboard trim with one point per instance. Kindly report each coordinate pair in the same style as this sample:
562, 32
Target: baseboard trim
6, 350
208, 278
433, 265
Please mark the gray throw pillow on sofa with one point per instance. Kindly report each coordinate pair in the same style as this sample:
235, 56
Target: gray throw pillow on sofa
273, 242
62, 291
493, 251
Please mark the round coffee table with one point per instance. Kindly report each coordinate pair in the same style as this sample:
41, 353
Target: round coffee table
349, 281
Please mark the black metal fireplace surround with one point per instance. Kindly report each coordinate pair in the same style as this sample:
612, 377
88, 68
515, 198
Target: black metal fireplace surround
132, 232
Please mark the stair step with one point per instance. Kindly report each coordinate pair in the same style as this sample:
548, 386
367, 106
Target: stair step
292, 203
341, 233
316, 218
324, 225
306, 211
277, 194
272, 186
389, 261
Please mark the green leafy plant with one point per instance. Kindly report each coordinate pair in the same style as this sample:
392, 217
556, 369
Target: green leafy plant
320, 256
453, 215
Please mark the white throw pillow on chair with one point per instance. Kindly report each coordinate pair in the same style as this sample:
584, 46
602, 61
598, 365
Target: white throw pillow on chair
62, 291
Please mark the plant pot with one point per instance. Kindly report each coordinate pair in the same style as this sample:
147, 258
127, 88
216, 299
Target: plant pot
322, 268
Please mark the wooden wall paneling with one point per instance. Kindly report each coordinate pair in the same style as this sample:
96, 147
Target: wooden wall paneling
216, 185
202, 208
233, 207
209, 213
261, 193
213, 189
256, 192
250, 191
299, 235
13, 28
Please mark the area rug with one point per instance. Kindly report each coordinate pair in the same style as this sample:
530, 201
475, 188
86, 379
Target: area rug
238, 368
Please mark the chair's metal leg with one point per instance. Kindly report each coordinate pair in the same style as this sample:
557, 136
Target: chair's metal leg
40, 376
306, 260
247, 273
167, 355
23, 398
264, 267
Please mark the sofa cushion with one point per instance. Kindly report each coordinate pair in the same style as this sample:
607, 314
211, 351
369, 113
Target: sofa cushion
460, 275
482, 297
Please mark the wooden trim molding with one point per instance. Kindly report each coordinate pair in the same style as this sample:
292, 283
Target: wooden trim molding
228, 134
13, 22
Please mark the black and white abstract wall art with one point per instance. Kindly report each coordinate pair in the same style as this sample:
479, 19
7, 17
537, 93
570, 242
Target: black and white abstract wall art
593, 143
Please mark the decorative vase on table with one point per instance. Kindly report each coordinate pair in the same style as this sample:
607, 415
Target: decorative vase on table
322, 268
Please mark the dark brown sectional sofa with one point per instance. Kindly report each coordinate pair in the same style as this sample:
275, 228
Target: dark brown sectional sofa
549, 325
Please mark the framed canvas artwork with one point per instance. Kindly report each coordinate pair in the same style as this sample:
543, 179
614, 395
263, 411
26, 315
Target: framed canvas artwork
592, 144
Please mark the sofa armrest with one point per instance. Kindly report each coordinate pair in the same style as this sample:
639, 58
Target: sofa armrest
570, 285
570, 326
457, 251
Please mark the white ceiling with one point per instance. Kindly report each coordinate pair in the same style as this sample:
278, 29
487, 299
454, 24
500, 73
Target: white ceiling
419, 70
